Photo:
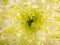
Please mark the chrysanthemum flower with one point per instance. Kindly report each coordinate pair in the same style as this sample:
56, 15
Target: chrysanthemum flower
29, 22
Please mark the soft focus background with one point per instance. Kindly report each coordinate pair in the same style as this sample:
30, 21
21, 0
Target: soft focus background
13, 26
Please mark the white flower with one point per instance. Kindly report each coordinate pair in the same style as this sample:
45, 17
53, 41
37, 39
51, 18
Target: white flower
34, 6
